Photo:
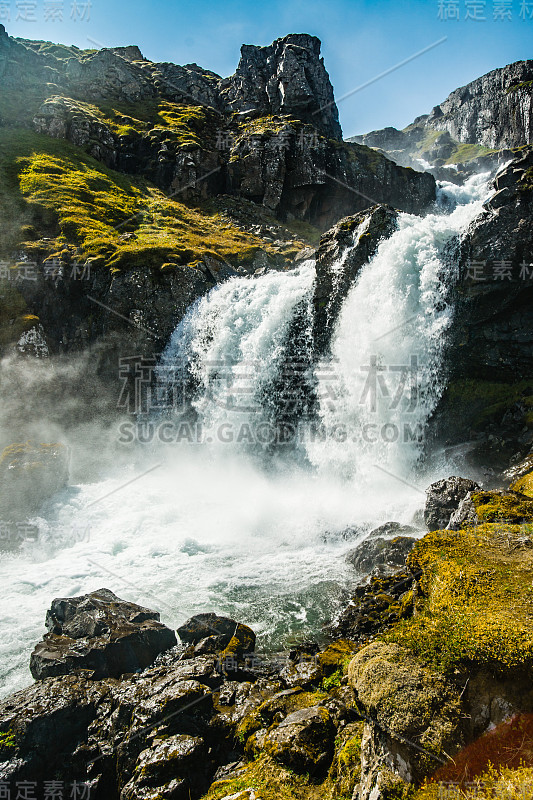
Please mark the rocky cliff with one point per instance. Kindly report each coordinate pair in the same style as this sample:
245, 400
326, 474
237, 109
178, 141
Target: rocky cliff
493, 113
139, 185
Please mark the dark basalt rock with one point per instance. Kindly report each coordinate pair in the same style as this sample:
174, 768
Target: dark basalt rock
287, 77
303, 741
375, 606
379, 555
211, 634
443, 498
493, 334
101, 633
342, 252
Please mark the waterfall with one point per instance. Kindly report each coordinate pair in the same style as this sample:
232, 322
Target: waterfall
249, 351
204, 527
385, 376
245, 344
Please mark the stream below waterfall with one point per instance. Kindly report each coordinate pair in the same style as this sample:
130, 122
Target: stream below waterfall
233, 521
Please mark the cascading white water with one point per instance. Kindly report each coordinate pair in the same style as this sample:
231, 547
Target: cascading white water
385, 375
209, 530
235, 341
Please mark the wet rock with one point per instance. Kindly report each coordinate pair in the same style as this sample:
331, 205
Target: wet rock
101, 633
170, 768
375, 607
385, 556
342, 252
304, 740
211, 633
443, 498
30, 474
389, 529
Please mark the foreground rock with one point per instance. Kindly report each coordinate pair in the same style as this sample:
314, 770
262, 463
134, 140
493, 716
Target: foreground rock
100, 633
210, 633
443, 498
30, 474
377, 555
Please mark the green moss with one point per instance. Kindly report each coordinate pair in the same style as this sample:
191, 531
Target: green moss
493, 507
75, 200
269, 780
477, 598
523, 86
189, 126
7, 744
467, 152
524, 485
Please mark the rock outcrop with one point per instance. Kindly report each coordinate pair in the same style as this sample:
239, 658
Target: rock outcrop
493, 113
287, 77
443, 498
342, 252
101, 634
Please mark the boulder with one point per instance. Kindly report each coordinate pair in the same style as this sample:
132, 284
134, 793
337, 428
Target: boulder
210, 633
304, 740
100, 633
412, 712
375, 606
512, 508
379, 555
168, 769
443, 498
389, 529
30, 474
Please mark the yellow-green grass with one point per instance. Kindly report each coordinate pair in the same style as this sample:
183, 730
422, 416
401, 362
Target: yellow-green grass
75, 200
477, 603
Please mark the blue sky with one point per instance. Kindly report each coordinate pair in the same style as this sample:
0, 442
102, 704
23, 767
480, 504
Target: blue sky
360, 40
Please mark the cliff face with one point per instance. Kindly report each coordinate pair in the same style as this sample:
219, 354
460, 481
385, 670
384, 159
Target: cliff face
162, 179
288, 77
493, 113
495, 110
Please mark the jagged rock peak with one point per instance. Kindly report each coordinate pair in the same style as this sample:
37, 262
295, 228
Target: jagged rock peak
287, 77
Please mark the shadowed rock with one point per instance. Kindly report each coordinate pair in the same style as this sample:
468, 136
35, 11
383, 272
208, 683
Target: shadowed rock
443, 498
101, 633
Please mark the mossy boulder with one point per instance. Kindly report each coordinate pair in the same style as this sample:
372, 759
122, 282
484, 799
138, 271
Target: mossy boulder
170, 768
479, 508
474, 604
408, 703
303, 741
30, 474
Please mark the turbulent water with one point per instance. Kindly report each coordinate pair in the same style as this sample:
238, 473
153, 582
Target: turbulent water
237, 521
